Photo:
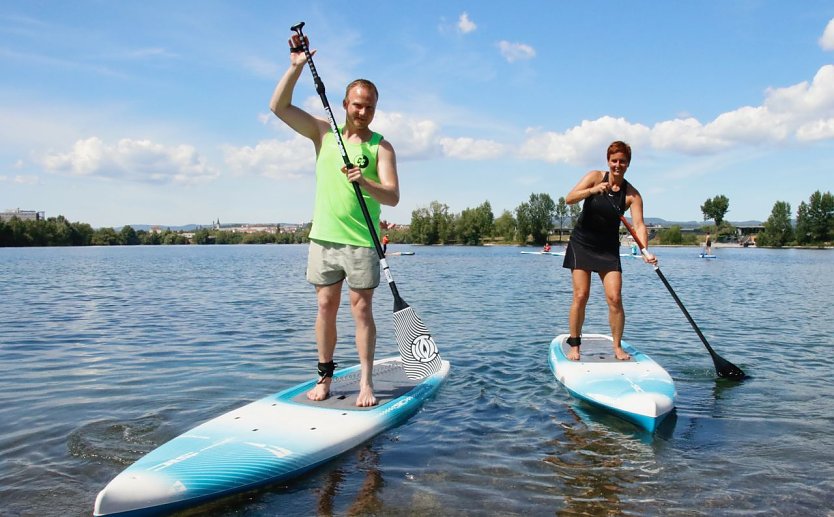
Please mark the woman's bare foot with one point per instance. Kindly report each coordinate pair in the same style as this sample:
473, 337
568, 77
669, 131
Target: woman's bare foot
366, 397
573, 344
573, 353
321, 390
620, 354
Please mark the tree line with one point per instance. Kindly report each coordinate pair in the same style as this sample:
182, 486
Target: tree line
535, 221
814, 223
58, 231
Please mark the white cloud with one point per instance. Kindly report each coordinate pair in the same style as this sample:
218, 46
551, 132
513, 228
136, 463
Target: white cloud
289, 159
134, 160
411, 137
750, 125
826, 41
471, 149
816, 130
803, 100
21, 179
686, 136
804, 111
465, 25
516, 51
583, 144
25, 179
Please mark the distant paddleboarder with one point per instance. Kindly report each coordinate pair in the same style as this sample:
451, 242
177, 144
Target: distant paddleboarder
340, 241
594, 244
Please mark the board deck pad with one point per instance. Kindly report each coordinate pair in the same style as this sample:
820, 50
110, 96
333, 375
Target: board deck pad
390, 382
596, 350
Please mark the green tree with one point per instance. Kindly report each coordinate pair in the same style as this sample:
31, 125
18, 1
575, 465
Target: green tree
777, 229
561, 215
716, 208
432, 225
474, 224
820, 217
802, 232
171, 237
535, 218
505, 226
671, 236
128, 237
105, 237
6, 235
422, 231
151, 238
61, 231
203, 236
574, 212
82, 234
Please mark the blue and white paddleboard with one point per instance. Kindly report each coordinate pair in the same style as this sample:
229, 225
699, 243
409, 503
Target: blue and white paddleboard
554, 253
638, 390
704, 255
270, 440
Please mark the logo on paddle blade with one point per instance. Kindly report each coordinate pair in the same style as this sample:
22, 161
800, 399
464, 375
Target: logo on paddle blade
423, 348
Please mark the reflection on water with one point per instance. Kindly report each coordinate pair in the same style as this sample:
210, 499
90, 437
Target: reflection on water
106, 353
367, 500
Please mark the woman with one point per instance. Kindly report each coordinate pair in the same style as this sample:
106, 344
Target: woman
594, 244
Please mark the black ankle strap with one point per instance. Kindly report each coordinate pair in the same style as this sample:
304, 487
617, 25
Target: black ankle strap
326, 371
574, 341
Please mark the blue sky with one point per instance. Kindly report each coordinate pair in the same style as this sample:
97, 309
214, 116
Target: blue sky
155, 112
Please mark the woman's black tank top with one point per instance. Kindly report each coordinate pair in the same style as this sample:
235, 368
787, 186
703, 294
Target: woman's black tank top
598, 226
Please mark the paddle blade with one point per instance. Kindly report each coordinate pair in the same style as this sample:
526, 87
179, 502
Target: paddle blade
727, 369
417, 348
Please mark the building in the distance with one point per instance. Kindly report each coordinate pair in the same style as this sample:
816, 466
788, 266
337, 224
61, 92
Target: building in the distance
23, 215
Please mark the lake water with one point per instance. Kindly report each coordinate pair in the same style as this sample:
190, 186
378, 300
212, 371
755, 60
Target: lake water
106, 353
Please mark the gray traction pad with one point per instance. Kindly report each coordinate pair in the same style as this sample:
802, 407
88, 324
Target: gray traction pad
596, 350
390, 382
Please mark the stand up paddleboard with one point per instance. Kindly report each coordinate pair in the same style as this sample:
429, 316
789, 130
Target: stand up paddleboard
554, 253
270, 440
704, 255
638, 390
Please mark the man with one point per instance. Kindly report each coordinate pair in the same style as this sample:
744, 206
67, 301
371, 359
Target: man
340, 243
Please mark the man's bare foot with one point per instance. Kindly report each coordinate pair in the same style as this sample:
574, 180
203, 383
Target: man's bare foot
320, 391
366, 397
573, 353
620, 354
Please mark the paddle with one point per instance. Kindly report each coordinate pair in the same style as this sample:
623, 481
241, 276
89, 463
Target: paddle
418, 350
723, 367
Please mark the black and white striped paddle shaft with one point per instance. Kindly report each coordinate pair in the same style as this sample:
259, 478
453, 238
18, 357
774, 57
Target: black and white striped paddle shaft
723, 367
418, 350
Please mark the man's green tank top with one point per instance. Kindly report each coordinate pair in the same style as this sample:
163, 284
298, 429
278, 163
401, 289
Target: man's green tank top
337, 216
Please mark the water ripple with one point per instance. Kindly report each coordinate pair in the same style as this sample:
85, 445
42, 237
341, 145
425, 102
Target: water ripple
106, 353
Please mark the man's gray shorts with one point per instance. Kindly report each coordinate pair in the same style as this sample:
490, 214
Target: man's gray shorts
328, 263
